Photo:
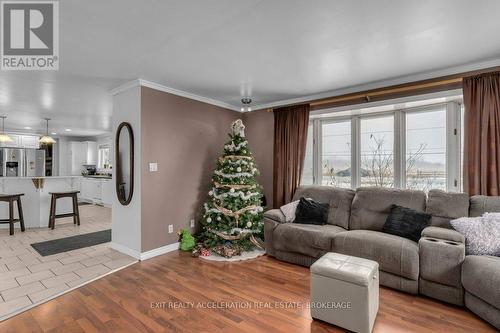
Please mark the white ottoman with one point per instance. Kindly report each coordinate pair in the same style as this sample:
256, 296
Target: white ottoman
344, 291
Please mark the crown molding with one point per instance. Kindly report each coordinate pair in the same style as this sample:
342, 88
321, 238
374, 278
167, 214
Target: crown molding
332, 93
173, 91
384, 83
124, 87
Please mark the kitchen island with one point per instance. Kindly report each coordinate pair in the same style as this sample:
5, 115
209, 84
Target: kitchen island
36, 199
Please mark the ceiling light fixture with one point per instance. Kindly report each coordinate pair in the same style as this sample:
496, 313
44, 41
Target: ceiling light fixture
68, 130
27, 127
46, 139
246, 101
4, 137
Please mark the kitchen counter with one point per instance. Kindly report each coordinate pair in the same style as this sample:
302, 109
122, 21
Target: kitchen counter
36, 199
98, 177
42, 177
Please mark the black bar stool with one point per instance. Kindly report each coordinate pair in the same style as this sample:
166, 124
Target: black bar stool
58, 195
11, 198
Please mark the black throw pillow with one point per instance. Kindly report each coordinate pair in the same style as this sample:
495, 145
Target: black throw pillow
311, 212
406, 222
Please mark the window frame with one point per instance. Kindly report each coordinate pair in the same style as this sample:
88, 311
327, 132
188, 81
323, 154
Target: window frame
453, 143
100, 162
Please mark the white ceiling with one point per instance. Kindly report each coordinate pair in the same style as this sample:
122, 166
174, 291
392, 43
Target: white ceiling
223, 49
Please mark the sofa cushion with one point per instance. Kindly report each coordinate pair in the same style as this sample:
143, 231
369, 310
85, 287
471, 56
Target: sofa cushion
480, 204
446, 206
340, 207
406, 222
371, 206
308, 239
310, 211
481, 277
340, 201
482, 234
394, 254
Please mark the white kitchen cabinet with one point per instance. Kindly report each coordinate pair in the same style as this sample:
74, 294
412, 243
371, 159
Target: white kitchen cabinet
85, 190
15, 143
82, 153
107, 192
22, 141
98, 191
30, 141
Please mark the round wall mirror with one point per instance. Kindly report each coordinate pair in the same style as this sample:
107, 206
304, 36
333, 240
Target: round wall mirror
124, 157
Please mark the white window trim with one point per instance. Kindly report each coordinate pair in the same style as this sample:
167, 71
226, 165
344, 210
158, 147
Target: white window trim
453, 144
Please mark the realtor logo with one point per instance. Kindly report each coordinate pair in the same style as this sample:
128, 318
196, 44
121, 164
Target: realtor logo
29, 35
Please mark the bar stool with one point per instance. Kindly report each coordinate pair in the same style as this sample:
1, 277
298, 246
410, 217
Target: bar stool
11, 198
53, 200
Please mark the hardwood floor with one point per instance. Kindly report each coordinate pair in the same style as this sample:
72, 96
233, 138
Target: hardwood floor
131, 300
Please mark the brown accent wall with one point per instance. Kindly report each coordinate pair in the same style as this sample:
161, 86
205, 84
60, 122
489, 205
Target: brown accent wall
260, 134
184, 137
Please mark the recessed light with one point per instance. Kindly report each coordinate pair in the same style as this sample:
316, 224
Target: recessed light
68, 130
53, 133
27, 127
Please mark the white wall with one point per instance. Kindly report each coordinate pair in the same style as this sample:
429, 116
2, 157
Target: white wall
126, 220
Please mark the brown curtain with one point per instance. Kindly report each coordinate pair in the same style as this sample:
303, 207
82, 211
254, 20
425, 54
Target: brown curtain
482, 134
290, 137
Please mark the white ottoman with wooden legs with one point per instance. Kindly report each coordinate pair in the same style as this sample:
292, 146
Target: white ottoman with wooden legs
345, 291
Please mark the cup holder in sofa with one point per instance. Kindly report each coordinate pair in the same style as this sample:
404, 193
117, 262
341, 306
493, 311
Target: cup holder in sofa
441, 241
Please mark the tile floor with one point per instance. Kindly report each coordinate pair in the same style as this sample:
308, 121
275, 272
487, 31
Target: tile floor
27, 278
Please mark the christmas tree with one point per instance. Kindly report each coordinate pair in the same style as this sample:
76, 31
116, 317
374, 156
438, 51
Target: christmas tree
232, 218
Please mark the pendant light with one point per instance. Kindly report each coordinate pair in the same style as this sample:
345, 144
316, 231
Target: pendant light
3, 136
46, 139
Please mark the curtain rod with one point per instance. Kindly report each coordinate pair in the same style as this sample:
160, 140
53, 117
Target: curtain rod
368, 95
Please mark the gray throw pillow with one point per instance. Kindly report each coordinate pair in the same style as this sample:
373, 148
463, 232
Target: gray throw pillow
482, 234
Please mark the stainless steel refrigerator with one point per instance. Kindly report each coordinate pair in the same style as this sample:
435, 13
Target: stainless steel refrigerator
35, 162
12, 162
16, 162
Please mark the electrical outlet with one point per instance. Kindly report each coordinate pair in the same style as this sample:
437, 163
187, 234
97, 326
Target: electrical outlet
192, 223
170, 228
153, 167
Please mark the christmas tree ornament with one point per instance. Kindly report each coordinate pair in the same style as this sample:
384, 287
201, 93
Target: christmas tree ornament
187, 241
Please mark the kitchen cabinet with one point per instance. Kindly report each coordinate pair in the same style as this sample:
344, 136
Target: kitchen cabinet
82, 153
91, 190
97, 191
107, 192
22, 141
15, 143
30, 141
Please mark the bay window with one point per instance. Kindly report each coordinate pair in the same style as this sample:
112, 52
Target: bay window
336, 153
414, 148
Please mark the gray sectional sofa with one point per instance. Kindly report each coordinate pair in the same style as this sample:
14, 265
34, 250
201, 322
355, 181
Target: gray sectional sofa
436, 266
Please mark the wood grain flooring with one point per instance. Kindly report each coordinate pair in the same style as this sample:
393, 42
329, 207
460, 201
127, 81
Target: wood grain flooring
269, 296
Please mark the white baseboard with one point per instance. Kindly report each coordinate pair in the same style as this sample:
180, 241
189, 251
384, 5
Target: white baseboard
158, 251
145, 255
128, 251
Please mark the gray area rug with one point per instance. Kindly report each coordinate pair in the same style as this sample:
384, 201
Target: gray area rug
72, 243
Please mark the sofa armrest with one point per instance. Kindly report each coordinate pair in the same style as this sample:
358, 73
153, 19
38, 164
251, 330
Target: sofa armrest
275, 215
272, 219
444, 234
442, 253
